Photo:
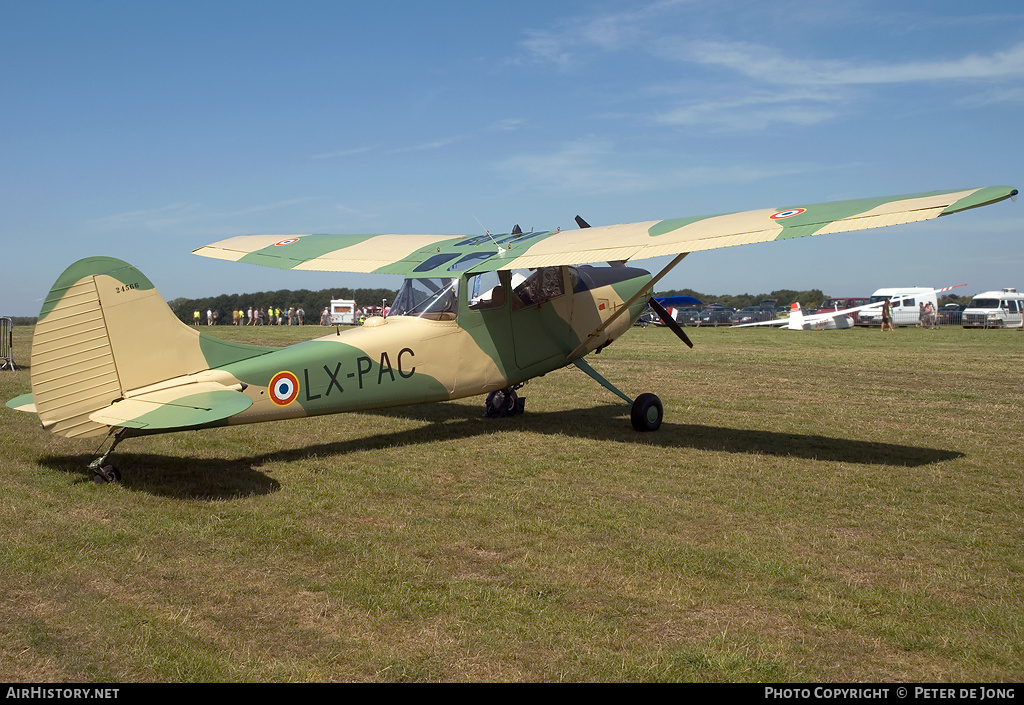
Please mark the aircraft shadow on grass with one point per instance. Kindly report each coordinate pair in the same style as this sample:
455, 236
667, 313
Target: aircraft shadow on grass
217, 478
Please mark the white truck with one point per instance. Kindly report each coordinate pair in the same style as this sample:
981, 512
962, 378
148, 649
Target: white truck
906, 305
343, 312
995, 309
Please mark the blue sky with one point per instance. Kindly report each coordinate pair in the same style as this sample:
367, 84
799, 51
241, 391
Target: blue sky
143, 130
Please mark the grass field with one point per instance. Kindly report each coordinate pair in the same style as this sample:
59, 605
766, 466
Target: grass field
823, 506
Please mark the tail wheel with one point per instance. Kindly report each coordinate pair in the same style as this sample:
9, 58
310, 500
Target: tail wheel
646, 413
106, 475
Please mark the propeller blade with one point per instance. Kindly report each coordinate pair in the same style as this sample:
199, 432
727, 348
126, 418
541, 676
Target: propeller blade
582, 223
669, 321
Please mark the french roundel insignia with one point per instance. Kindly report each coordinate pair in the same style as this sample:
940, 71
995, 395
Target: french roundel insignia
286, 242
284, 387
788, 214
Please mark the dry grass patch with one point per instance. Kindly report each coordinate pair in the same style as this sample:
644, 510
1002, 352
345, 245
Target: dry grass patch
836, 506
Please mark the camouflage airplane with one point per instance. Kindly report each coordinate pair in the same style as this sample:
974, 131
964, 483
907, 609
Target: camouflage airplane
475, 315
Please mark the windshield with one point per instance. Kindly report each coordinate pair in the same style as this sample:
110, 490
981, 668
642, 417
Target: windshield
427, 298
985, 303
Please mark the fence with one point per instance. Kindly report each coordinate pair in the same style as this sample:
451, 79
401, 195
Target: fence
7, 344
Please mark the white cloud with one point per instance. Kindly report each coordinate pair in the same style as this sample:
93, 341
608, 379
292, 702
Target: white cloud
433, 144
769, 65
178, 215
754, 111
563, 44
343, 153
581, 166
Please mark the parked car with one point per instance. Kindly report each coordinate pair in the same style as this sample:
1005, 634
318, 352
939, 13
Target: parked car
951, 315
716, 316
752, 314
841, 303
688, 316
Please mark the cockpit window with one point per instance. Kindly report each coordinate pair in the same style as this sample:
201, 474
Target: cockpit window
436, 299
469, 260
485, 291
436, 261
536, 286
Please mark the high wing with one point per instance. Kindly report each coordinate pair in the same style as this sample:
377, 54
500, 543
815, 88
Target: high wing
438, 255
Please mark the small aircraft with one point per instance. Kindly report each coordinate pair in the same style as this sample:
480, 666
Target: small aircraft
830, 320
475, 315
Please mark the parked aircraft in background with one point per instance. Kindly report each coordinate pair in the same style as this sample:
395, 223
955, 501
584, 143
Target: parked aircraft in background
827, 320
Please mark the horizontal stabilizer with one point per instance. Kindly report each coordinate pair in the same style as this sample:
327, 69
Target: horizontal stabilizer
22, 403
180, 407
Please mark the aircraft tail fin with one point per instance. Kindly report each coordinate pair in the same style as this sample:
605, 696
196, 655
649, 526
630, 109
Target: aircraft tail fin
796, 317
103, 331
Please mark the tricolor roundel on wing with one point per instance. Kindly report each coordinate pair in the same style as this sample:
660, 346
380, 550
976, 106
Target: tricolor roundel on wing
788, 213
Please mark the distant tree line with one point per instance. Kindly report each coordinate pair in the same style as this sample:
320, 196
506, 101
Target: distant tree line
312, 302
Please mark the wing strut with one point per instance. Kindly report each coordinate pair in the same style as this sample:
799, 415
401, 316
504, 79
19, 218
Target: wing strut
645, 291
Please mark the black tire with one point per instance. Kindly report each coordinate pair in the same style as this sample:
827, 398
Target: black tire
646, 413
500, 403
107, 474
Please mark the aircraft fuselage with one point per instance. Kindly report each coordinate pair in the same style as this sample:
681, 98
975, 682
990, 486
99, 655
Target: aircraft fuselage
435, 355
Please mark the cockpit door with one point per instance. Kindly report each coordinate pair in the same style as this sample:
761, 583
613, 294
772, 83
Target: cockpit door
541, 301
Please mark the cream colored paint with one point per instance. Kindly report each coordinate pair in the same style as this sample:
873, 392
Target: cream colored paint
372, 254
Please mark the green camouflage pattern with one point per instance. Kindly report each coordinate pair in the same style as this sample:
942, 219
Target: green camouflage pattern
441, 255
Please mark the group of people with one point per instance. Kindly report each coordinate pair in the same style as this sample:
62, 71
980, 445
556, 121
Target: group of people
927, 317
255, 316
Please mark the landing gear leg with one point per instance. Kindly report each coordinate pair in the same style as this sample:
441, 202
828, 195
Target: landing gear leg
102, 473
645, 412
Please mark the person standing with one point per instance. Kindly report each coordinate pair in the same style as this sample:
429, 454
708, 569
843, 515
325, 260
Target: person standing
887, 315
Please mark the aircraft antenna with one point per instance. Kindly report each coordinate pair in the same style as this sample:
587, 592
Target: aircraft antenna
501, 250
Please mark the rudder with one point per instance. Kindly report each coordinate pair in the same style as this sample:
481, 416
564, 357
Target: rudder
104, 330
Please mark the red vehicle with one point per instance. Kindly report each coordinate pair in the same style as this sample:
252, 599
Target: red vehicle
844, 302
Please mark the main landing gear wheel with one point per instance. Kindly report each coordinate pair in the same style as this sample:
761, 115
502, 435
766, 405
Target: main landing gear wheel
503, 402
646, 413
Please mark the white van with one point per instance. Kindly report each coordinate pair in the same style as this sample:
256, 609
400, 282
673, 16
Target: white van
995, 309
906, 305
